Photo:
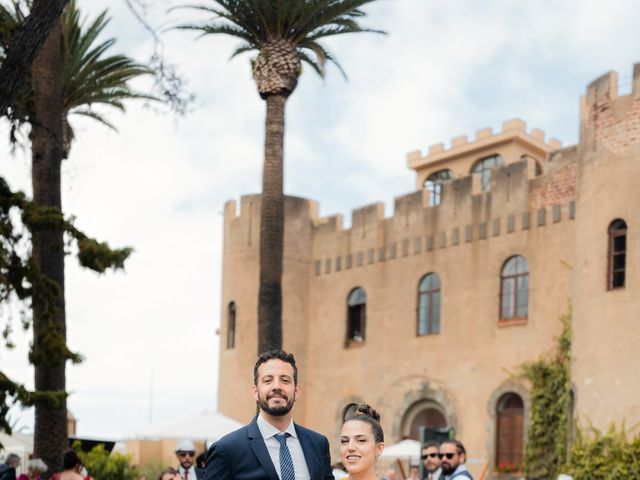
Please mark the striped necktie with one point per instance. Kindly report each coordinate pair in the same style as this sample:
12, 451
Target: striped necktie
286, 464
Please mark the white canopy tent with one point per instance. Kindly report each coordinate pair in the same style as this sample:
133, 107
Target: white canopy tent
208, 425
407, 450
404, 450
19, 443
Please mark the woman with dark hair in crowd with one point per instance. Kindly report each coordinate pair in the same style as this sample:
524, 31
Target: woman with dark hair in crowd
361, 441
71, 465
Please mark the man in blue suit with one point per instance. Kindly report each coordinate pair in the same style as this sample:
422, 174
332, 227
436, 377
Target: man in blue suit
272, 446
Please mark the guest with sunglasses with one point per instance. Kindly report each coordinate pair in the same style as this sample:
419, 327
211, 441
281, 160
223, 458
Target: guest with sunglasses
431, 461
186, 453
452, 457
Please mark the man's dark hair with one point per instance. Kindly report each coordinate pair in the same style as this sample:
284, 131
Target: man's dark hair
459, 446
169, 470
430, 444
275, 355
11, 458
70, 459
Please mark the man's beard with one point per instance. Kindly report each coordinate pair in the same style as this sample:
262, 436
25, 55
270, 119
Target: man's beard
447, 469
278, 411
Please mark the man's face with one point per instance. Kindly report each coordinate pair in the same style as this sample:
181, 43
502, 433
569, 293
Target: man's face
15, 463
450, 458
186, 458
430, 459
275, 391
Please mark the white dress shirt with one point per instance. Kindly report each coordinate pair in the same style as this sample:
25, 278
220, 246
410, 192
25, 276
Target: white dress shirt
268, 433
191, 473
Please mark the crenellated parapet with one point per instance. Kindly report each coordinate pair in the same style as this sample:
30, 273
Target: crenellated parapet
518, 200
512, 142
607, 120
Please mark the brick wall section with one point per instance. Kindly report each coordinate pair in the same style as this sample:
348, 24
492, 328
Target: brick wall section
612, 132
556, 187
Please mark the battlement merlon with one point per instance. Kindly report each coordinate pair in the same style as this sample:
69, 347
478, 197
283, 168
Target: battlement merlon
513, 130
609, 120
250, 208
605, 87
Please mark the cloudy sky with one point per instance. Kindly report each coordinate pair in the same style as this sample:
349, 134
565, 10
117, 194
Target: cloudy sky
159, 185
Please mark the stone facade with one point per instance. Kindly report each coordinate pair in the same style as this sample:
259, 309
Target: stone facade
549, 204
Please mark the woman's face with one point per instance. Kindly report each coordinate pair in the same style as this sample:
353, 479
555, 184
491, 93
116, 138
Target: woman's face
358, 447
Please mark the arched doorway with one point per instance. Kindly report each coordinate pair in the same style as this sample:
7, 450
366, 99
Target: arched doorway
509, 431
427, 413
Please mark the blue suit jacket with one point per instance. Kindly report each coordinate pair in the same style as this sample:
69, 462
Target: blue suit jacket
242, 455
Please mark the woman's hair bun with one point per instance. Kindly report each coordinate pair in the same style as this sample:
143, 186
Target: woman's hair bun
364, 412
364, 409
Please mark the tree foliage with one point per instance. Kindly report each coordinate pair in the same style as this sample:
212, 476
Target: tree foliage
301, 23
548, 432
91, 75
18, 217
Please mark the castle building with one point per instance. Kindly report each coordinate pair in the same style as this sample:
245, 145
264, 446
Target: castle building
428, 314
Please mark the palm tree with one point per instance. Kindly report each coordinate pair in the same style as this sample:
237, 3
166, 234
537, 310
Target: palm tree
285, 33
71, 73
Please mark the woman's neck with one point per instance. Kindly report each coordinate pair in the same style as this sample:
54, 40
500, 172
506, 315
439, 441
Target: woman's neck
369, 474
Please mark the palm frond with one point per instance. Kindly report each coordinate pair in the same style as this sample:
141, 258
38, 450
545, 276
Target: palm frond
299, 22
90, 75
97, 117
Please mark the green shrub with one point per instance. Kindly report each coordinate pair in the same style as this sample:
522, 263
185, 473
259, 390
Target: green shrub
151, 471
103, 465
610, 456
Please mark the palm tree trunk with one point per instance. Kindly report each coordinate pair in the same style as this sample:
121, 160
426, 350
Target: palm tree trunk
49, 329
24, 46
272, 228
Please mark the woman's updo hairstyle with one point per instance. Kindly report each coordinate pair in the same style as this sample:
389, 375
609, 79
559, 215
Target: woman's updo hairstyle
364, 412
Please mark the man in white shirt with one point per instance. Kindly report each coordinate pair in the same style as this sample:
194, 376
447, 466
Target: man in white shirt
186, 453
272, 446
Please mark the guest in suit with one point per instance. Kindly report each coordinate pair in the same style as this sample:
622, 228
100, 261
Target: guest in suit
361, 442
272, 446
186, 453
431, 461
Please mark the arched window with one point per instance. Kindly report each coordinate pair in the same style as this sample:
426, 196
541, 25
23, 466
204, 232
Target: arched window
434, 185
509, 432
429, 305
231, 325
514, 294
617, 254
483, 168
356, 315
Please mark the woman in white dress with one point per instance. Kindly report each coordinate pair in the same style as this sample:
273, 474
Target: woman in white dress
361, 442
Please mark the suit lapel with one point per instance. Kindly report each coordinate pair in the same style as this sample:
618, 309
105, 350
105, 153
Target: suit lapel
256, 443
310, 453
